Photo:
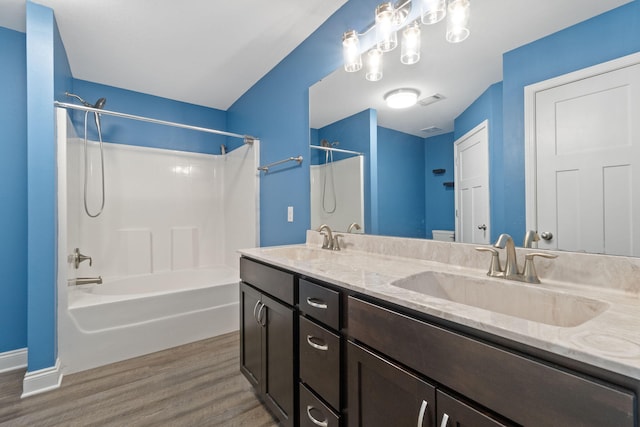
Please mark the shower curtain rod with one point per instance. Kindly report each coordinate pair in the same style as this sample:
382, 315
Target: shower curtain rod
337, 150
247, 138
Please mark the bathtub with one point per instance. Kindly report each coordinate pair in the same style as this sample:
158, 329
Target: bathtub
132, 316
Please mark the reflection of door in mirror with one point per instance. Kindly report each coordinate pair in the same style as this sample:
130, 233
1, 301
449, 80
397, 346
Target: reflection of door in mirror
337, 192
472, 186
588, 145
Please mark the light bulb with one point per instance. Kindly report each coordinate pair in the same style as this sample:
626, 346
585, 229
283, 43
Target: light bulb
351, 52
458, 21
410, 53
385, 27
433, 11
374, 65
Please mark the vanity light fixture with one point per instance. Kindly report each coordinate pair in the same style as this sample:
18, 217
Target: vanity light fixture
410, 53
433, 11
401, 98
390, 18
351, 51
457, 21
386, 27
374, 65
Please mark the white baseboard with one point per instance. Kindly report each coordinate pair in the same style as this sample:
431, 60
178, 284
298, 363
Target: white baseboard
12, 360
42, 380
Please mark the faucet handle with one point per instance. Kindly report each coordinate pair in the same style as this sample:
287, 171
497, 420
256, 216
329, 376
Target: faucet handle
529, 274
495, 270
76, 258
325, 240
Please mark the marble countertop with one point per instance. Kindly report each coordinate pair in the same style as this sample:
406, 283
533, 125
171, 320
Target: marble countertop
610, 340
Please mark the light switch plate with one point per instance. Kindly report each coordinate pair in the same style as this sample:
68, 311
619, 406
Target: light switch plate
290, 213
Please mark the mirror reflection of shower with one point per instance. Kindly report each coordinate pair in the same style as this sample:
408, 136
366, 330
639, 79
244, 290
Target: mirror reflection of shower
328, 170
98, 105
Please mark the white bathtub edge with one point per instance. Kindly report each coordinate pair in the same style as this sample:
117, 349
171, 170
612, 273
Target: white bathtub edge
13, 360
42, 380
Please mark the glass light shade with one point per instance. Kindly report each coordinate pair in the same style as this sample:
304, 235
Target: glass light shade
458, 21
410, 51
351, 52
374, 65
433, 11
385, 27
401, 98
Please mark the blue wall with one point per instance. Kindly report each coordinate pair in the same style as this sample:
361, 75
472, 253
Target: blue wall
354, 133
489, 107
276, 109
13, 190
401, 184
605, 37
439, 200
48, 76
125, 131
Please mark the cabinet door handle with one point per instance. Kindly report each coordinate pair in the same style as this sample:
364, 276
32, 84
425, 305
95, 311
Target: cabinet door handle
260, 315
255, 307
323, 347
324, 423
445, 420
312, 302
423, 409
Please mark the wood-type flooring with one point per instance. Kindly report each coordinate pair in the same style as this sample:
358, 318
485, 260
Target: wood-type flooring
197, 384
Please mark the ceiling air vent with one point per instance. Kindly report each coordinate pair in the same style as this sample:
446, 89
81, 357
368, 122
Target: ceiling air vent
431, 99
431, 130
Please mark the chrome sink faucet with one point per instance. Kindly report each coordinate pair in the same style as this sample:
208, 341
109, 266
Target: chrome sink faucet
330, 241
511, 267
511, 270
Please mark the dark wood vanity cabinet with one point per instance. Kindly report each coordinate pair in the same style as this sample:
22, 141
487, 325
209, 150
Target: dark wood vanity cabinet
321, 350
382, 394
322, 355
267, 344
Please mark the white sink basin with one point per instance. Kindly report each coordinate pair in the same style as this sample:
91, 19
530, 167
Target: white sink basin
506, 297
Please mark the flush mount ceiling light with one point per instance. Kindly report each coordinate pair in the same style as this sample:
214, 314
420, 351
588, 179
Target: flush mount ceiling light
390, 18
401, 98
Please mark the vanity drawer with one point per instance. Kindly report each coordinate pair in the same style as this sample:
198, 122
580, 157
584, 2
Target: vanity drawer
313, 412
321, 303
270, 280
524, 390
320, 361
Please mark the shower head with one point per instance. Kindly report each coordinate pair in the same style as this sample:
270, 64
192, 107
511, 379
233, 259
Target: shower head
99, 103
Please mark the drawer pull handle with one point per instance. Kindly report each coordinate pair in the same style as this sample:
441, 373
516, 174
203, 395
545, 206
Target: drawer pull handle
323, 347
312, 302
324, 423
445, 420
423, 409
262, 306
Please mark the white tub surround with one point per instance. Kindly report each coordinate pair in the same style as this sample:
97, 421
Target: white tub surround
165, 246
370, 264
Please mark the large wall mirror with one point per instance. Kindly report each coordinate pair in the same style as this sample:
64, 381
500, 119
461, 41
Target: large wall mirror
408, 154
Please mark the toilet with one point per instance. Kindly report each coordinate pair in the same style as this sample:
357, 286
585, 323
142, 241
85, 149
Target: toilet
444, 235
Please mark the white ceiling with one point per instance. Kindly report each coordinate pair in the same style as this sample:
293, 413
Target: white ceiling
198, 51
461, 72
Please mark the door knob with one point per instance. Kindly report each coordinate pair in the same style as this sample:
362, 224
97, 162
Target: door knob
546, 235
482, 227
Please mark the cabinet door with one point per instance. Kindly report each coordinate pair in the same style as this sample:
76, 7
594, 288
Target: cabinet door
278, 385
380, 393
454, 413
250, 335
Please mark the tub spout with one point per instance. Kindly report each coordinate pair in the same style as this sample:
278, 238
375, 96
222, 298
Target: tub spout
85, 281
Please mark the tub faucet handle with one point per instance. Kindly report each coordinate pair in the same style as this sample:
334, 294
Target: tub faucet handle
76, 258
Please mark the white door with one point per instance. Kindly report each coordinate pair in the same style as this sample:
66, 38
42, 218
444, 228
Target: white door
472, 186
587, 147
